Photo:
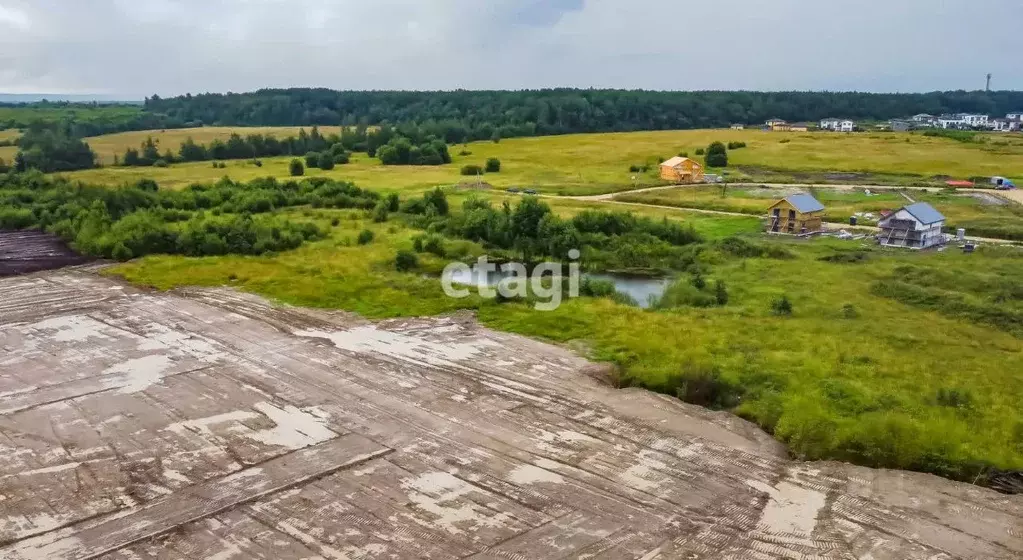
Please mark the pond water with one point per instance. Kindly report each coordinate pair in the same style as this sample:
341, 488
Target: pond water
640, 288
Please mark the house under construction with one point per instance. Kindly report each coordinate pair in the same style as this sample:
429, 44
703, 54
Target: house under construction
917, 226
796, 214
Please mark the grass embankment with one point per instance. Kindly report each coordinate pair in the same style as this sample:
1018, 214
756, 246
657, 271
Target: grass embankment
851, 374
981, 214
583, 164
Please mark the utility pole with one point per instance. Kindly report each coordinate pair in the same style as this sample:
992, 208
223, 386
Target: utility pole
988, 88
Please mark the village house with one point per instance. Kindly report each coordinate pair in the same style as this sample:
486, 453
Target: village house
1015, 116
682, 170
900, 126
738, 126
838, 125
796, 213
924, 119
1005, 125
799, 127
917, 226
776, 125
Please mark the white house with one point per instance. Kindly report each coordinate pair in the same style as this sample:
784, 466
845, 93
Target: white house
1015, 116
975, 120
923, 118
917, 226
951, 121
1006, 125
838, 125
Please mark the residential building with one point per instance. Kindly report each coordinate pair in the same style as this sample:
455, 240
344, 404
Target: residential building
923, 118
776, 124
838, 125
974, 120
917, 226
682, 170
738, 126
1005, 125
900, 126
951, 122
795, 214
1015, 116
799, 127
963, 121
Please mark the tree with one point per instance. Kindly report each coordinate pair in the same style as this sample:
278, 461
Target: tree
312, 160
326, 161
717, 155
365, 237
471, 170
296, 168
493, 165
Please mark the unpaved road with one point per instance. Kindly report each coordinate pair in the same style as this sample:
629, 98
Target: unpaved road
209, 424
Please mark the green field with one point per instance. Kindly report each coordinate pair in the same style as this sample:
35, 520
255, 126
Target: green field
854, 373
599, 163
982, 214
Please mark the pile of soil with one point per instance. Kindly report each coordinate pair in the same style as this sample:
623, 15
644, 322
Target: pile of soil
22, 252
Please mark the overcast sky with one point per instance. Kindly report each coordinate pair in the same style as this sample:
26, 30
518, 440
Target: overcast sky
131, 48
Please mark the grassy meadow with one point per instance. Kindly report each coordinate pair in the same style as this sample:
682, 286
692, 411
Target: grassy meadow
584, 164
859, 371
981, 214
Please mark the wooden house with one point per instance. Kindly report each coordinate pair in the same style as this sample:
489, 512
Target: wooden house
682, 170
776, 125
799, 127
796, 214
917, 226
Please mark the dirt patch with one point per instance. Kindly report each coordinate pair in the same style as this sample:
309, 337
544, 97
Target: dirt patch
988, 199
22, 252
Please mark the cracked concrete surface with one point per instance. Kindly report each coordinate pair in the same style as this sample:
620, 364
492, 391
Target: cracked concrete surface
211, 424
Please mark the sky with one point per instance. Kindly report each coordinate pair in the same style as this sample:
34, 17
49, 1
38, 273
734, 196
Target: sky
132, 48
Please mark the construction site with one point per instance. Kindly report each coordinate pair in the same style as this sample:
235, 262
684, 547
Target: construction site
207, 423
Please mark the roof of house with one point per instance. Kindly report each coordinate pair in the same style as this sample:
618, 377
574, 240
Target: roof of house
776, 120
676, 161
804, 203
925, 213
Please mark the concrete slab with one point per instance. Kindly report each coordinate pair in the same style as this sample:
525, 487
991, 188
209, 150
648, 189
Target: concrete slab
212, 424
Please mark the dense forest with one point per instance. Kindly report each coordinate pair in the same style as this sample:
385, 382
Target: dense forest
480, 115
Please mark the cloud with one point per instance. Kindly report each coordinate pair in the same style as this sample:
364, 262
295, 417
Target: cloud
139, 47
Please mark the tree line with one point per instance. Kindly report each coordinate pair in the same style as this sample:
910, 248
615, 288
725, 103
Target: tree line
460, 116
141, 219
405, 145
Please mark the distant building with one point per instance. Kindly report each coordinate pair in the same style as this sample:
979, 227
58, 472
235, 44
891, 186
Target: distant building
799, 127
1015, 116
797, 213
923, 118
1005, 125
974, 120
682, 170
900, 126
963, 121
838, 125
776, 124
917, 226
738, 126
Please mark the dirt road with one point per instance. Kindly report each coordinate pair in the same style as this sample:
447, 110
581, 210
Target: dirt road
211, 424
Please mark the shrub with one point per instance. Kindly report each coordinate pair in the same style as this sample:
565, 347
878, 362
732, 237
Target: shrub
296, 168
405, 261
257, 163
493, 165
954, 398
365, 237
312, 160
683, 154
393, 202
785, 141
380, 212
471, 169
634, 169
736, 145
849, 311
342, 158
703, 385
326, 161
121, 252
698, 282
700, 151
160, 163
721, 292
335, 221
782, 306
464, 153
435, 245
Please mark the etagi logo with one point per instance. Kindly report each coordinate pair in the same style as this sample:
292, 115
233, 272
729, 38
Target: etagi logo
546, 282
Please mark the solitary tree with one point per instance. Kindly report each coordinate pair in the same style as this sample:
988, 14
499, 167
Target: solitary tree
717, 155
296, 168
493, 165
